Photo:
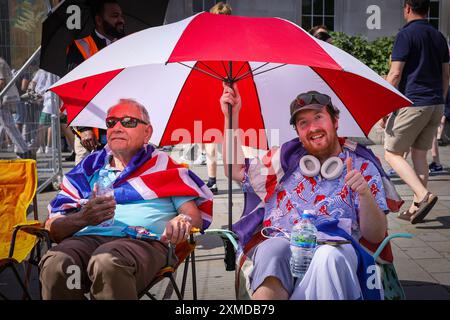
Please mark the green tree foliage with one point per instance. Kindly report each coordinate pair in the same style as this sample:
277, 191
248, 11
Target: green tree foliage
375, 54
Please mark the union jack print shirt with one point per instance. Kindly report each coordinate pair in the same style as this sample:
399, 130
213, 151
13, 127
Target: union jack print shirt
329, 198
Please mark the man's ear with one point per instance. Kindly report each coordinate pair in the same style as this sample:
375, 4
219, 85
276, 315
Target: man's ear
408, 9
336, 123
148, 132
98, 20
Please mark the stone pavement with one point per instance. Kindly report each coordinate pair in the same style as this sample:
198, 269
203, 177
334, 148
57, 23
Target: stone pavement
422, 263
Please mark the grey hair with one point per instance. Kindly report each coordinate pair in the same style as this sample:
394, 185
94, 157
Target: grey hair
141, 107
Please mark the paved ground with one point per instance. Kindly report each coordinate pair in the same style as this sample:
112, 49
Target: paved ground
422, 263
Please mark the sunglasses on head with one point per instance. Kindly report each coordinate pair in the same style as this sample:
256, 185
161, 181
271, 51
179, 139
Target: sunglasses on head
126, 122
307, 99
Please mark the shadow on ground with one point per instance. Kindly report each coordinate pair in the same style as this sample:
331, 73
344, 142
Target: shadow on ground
444, 221
415, 290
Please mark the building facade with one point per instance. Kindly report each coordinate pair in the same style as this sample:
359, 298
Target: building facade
370, 18
20, 20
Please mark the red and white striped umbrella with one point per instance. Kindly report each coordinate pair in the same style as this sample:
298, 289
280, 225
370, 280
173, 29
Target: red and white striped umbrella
177, 70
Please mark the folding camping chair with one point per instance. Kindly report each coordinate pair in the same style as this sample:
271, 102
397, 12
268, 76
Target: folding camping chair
19, 238
381, 253
185, 252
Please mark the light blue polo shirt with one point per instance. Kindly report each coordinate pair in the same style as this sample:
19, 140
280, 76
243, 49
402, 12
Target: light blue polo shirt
151, 214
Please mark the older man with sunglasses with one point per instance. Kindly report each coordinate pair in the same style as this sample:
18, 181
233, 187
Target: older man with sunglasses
337, 178
156, 203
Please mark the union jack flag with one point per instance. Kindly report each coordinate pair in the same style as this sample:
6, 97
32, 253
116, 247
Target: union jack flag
150, 174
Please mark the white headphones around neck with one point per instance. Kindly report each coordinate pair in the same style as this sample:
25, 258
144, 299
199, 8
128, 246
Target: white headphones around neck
331, 169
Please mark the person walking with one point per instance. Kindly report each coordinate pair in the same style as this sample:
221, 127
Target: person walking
420, 71
8, 104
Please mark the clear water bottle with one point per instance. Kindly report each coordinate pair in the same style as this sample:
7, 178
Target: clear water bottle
105, 188
303, 244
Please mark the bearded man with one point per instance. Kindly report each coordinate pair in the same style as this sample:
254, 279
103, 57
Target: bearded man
341, 181
109, 27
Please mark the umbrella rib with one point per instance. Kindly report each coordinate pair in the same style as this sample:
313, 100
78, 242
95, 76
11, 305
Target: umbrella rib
225, 69
250, 71
205, 72
211, 69
240, 69
256, 74
282, 65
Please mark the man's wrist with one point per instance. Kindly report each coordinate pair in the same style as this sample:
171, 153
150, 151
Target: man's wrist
185, 218
366, 193
79, 220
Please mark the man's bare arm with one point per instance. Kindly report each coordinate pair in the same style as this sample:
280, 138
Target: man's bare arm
445, 79
179, 228
372, 220
395, 73
190, 209
232, 96
95, 211
63, 226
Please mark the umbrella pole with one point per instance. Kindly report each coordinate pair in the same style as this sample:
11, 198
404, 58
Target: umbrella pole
230, 151
230, 253
230, 168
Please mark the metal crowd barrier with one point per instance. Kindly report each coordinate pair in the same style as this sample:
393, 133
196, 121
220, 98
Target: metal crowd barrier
49, 164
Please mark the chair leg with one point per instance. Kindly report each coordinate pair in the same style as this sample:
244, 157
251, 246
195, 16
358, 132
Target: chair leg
175, 287
152, 297
169, 289
25, 290
27, 277
194, 276
185, 271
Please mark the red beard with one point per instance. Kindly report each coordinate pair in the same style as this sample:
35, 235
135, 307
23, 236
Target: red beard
325, 150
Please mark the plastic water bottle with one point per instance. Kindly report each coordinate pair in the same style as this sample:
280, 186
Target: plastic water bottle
303, 244
105, 188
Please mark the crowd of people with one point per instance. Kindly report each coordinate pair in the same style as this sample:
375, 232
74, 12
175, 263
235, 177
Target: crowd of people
117, 266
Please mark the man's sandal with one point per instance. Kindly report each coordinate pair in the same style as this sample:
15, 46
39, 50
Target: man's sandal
424, 207
405, 215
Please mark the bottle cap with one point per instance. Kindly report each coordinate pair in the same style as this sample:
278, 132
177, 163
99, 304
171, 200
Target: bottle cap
308, 214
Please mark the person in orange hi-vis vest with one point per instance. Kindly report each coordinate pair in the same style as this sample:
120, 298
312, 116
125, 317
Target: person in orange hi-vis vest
109, 26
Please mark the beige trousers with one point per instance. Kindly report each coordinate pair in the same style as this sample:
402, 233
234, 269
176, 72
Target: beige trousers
107, 267
80, 151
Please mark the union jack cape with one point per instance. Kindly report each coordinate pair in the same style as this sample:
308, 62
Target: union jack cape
277, 165
150, 174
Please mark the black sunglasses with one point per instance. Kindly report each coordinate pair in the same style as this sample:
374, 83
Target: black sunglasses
307, 98
126, 122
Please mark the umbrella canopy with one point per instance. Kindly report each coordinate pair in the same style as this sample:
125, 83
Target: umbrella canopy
176, 71
56, 36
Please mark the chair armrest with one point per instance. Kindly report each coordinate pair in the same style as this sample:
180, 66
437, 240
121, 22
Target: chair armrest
36, 229
386, 241
230, 244
32, 227
225, 235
